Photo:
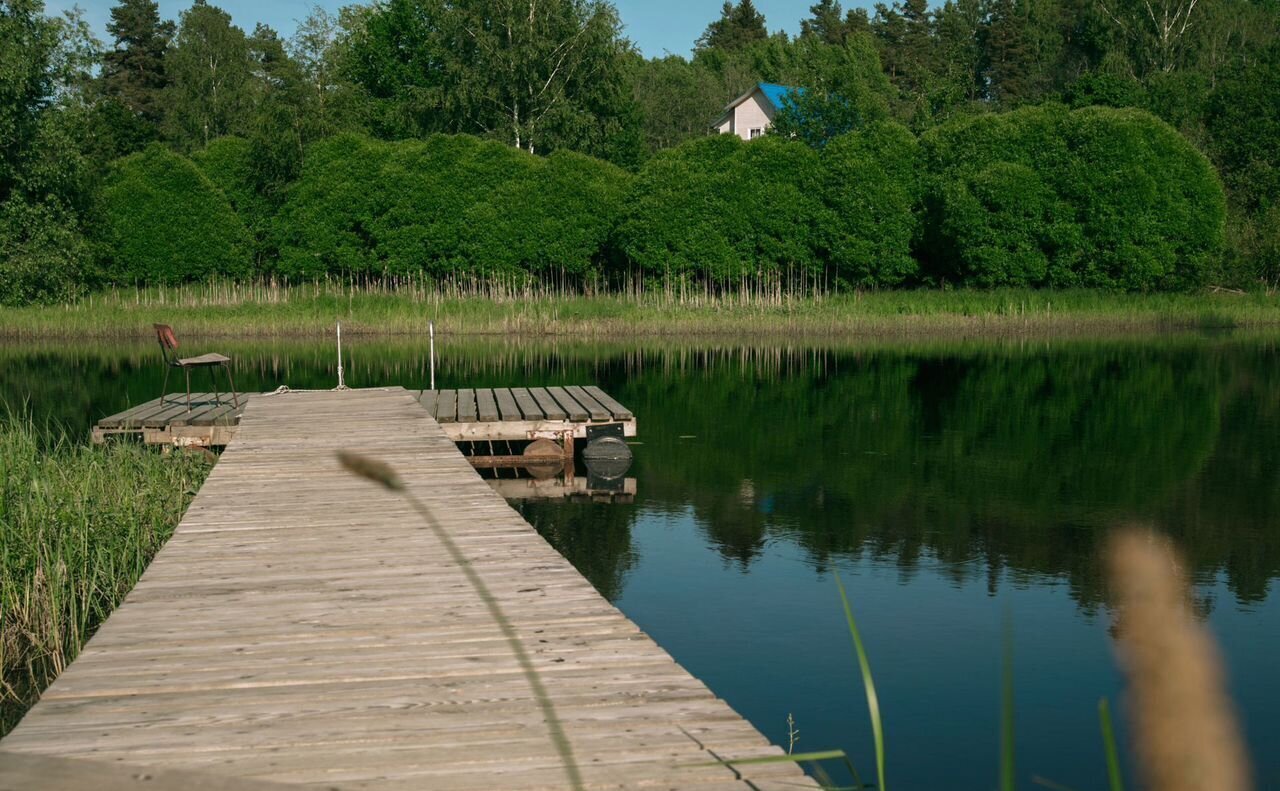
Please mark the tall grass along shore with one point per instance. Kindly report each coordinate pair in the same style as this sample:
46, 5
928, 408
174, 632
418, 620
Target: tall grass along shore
405, 307
78, 525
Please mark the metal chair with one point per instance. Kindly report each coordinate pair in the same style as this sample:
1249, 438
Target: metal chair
169, 343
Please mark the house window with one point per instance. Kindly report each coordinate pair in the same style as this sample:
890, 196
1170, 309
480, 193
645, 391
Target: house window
756, 132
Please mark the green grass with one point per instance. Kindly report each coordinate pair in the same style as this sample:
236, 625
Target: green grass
78, 525
267, 309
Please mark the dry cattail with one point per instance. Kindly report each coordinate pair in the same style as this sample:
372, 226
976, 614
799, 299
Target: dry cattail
374, 470
1184, 727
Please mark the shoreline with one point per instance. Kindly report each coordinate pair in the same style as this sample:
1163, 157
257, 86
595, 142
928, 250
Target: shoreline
310, 312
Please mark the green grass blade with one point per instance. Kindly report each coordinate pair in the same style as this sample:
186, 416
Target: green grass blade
795, 758
1116, 781
864, 666
1007, 767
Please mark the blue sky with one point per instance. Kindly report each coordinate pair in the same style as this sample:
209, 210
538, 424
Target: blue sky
657, 26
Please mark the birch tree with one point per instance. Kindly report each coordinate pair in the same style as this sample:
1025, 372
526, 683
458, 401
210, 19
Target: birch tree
1157, 31
537, 74
210, 93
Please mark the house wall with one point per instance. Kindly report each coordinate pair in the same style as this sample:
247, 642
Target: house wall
753, 113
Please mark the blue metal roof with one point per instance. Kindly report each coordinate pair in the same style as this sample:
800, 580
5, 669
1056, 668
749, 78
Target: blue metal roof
778, 94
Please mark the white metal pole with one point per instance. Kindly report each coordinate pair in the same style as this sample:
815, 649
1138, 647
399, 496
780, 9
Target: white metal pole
342, 385
431, 329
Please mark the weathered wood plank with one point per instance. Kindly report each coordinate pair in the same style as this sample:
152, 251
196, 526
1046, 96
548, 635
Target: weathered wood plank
148, 410
163, 417
117, 420
598, 412
225, 415
609, 402
486, 406
550, 409
576, 412
447, 407
529, 409
207, 414
467, 406
25, 772
507, 404
428, 400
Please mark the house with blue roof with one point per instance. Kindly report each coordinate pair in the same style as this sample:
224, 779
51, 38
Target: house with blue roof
752, 113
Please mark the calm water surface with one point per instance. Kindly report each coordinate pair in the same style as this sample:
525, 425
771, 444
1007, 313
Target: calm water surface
951, 486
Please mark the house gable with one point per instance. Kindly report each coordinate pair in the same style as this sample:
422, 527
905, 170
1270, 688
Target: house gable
752, 113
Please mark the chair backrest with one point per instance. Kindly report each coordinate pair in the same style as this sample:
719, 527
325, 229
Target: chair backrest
168, 341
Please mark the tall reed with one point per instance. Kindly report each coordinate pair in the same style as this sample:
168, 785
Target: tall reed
771, 305
78, 525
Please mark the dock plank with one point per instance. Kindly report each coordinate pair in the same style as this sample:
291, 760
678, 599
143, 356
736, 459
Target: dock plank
607, 401
306, 626
486, 406
598, 412
529, 408
467, 405
428, 400
225, 415
135, 417
447, 407
507, 404
575, 411
548, 405
205, 415
173, 409
117, 420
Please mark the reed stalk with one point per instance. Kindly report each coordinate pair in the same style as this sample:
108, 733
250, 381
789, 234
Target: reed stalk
1185, 733
405, 305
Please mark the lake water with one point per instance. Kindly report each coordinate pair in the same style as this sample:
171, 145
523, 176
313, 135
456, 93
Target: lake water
952, 486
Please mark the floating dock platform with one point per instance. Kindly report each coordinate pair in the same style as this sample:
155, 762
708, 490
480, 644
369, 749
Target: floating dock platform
560, 414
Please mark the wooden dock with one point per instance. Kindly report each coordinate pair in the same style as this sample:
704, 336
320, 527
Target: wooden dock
491, 414
305, 626
209, 422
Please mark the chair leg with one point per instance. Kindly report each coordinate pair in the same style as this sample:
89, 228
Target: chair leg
188, 370
213, 374
234, 397
164, 388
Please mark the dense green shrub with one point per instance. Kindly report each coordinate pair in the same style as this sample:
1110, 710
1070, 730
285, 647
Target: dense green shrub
448, 205
228, 163
164, 221
1096, 197
721, 209
43, 258
871, 187
1009, 228
323, 226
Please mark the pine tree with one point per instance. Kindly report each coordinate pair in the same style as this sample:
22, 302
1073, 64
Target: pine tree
738, 26
827, 22
906, 43
133, 71
1022, 50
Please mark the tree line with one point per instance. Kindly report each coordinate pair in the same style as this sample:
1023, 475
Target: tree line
584, 144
